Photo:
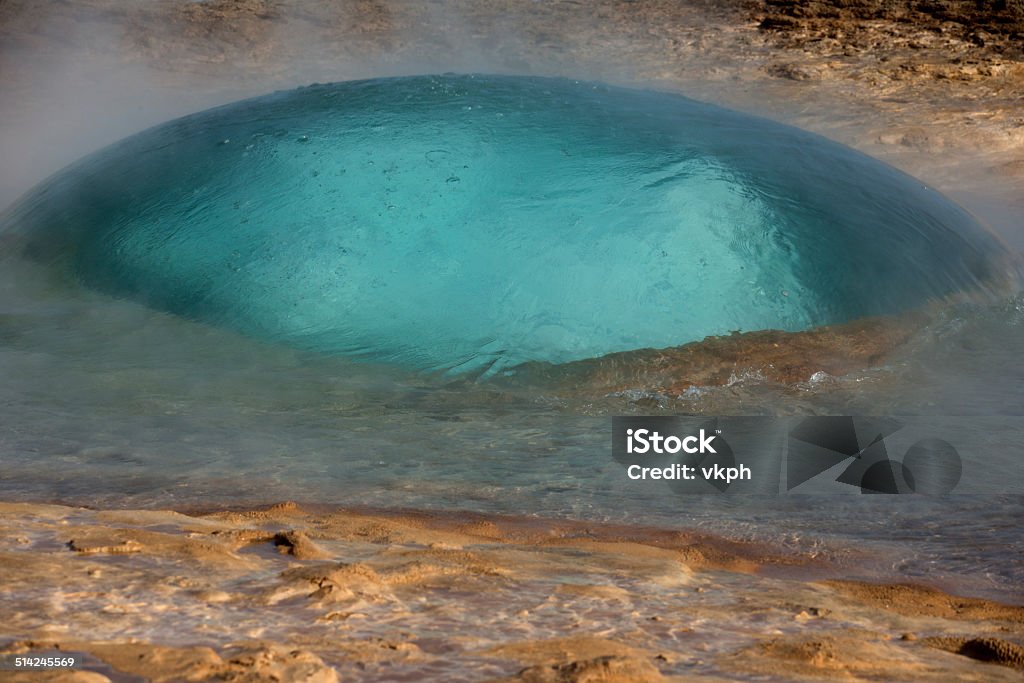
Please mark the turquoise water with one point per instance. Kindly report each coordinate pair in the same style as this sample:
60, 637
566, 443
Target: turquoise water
334, 219
470, 223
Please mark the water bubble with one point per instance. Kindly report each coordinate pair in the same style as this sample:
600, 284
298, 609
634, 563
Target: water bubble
594, 220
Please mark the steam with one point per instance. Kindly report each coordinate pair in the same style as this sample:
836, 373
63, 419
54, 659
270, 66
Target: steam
77, 78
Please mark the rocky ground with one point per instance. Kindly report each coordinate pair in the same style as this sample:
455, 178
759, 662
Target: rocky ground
941, 82
936, 88
290, 594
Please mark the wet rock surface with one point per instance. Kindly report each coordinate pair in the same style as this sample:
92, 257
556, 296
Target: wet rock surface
457, 597
994, 650
1002, 17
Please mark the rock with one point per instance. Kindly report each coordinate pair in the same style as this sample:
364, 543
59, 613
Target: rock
915, 600
104, 546
985, 649
246, 663
978, 18
61, 676
261, 663
795, 72
299, 545
157, 663
610, 669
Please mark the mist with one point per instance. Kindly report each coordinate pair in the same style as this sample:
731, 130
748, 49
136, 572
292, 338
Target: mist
77, 77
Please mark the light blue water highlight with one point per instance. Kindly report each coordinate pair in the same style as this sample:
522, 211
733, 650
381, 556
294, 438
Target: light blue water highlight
477, 222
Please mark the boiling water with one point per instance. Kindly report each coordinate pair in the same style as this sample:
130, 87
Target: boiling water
462, 222
302, 297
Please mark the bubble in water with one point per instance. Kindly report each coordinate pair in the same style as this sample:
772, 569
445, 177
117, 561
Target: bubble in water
470, 222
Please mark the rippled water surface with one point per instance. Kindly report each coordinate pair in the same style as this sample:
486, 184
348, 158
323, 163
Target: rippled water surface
467, 222
165, 306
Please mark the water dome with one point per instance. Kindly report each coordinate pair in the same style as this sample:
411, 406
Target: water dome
472, 223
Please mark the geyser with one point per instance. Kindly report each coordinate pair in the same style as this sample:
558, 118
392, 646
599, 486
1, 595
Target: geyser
476, 222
